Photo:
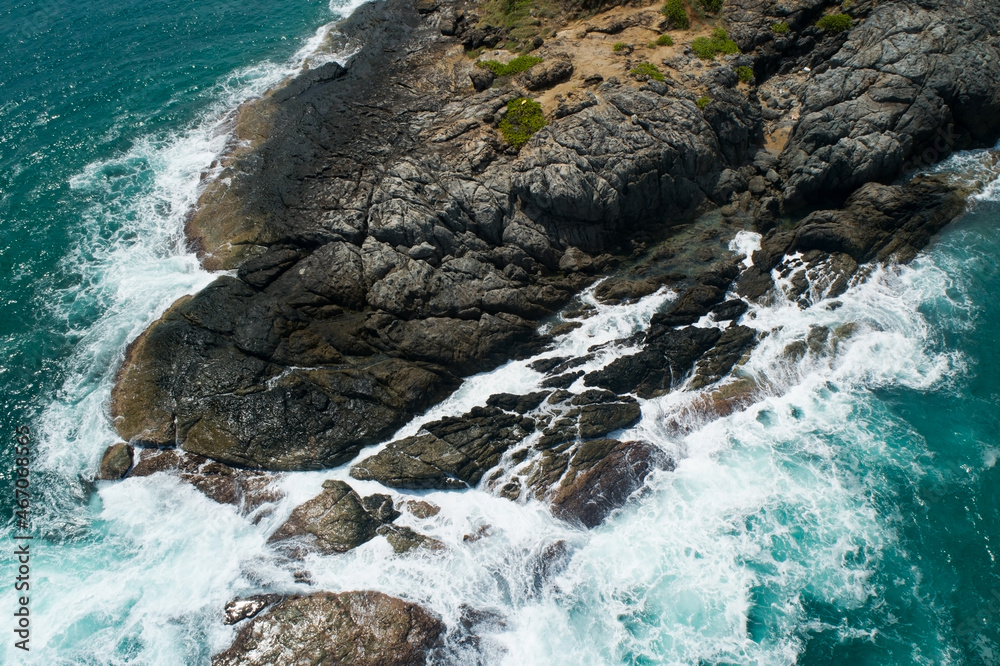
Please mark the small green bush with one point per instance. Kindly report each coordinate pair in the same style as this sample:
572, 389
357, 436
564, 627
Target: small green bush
675, 12
664, 40
647, 69
707, 48
835, 23
523, 118
618, 47
712, 5
780, 27
515, 66
703, 101
745, 73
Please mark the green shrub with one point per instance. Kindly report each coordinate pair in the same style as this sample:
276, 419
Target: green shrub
745, 73
664, 40
515, 66
707, 48
780, 27
835, 23
647, 69
523, 118
703, 101
618, 47
675, 12
712, 5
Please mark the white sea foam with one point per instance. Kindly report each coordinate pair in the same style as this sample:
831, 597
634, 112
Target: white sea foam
744, 244
139, 576
767, 509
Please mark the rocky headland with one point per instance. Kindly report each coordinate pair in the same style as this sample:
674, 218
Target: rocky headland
390, 225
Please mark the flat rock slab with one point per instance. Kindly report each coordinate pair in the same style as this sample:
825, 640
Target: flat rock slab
455, 453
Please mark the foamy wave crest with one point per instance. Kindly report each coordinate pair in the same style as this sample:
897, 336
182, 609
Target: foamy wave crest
771, 511
136, 572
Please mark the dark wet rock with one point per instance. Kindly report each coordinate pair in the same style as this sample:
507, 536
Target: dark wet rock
618, 290
116, 462
734, 343
335, 521
795, 351
599, 420
731, 397
586, 484
662, 364
473, 635
454, 452
571, 363
551, 561
594, 414
422, 509
730, 310
561, 395
878, 222
562, 381
383, 249
477, 620
565, 327
521, 404
698, 299
545, 365
481, 532
404, 539
754, 283
248, 607
576, 260
816, 338
246, 489
151, 461
363, 628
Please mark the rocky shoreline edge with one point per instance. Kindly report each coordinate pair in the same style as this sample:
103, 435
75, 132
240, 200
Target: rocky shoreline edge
388, 238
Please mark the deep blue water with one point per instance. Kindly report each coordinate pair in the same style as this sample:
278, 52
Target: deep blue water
853, 517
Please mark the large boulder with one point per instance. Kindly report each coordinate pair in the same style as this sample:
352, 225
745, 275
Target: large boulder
116, 462
336, 520
323, 629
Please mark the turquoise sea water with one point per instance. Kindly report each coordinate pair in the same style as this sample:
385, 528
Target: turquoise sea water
853, 517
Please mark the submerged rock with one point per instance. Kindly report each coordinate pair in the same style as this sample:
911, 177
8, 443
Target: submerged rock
246, 489
361, 628
404, 539
586, 483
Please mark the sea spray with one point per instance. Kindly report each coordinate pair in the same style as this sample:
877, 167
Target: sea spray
117, 583
780, 529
